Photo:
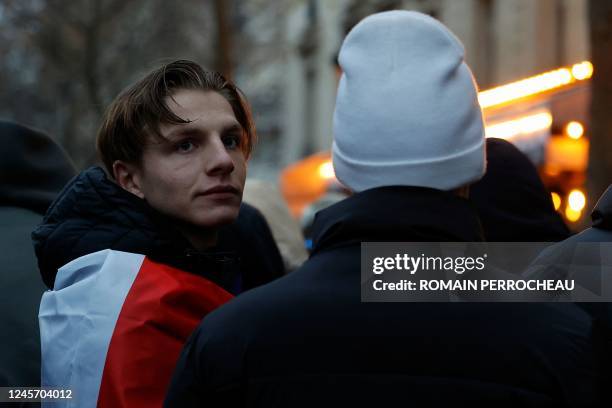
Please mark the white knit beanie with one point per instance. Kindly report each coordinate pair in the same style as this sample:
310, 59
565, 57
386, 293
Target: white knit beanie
407, 110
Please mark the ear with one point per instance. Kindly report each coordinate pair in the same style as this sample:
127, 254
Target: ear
128, 177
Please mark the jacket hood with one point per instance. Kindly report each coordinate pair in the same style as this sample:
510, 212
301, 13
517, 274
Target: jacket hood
33, 168
397, 213
512, 202
93, 213
602, 213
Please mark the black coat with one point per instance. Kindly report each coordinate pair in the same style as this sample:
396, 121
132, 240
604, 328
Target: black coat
93, 213
308, 340
251, 239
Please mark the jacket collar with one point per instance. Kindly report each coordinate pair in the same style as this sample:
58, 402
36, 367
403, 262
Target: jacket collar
93, 213
397, 213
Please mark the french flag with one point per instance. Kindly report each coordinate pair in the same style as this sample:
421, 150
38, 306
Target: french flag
114, 325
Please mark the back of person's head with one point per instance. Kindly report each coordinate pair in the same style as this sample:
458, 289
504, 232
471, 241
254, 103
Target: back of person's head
135, 116
511, 199
33, 168
407, 109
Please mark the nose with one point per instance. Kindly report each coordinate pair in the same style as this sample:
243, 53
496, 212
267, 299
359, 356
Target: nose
218, 159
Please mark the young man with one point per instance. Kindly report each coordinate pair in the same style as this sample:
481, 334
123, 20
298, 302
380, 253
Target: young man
408, 140
131, 259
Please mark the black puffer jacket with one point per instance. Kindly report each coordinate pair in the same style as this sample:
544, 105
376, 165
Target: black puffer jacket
307, 339
93, 213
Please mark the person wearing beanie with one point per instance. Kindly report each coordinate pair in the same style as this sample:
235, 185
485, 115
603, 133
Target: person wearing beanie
408, 141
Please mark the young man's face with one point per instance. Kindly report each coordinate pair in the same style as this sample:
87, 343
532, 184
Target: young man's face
198, 175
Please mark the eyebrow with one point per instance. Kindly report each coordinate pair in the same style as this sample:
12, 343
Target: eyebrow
234, 127
186, 131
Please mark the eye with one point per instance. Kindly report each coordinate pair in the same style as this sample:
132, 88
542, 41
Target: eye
185, 146
232, 141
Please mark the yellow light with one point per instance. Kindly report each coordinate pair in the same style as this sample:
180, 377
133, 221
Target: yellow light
572, 215
583, 70
556, 199
534, 85
576, 200
574, 129
521, 126
326, 170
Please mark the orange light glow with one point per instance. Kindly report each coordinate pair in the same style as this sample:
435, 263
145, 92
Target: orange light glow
534, 85
301, 183
566, 154
556, 199
574, 129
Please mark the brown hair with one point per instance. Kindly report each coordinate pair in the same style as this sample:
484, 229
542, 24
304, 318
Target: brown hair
139, 110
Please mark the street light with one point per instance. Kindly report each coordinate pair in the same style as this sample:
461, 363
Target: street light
574, 129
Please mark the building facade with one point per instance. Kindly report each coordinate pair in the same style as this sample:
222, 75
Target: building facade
505, 40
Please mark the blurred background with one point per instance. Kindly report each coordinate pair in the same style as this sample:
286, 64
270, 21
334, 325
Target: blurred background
543, 67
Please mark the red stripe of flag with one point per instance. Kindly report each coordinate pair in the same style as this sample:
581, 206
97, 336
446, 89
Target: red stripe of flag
162, 308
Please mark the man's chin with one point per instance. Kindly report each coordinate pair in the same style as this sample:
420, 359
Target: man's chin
217, 218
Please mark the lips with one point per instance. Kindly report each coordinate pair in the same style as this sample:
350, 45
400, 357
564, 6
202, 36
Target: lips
221, 190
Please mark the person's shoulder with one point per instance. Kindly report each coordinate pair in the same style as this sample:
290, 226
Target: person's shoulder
248, 317
247, 210
254, 304
565, 249
289, 305
102, 266
592, 234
